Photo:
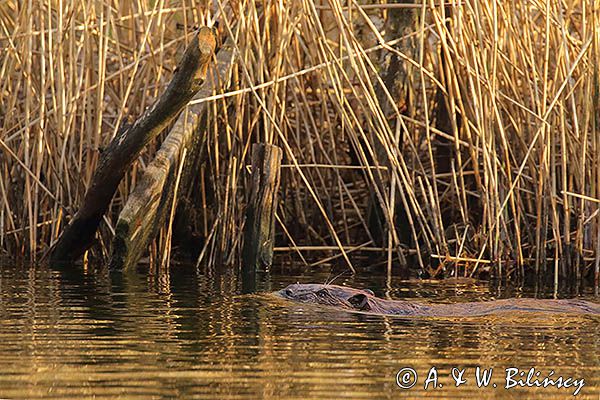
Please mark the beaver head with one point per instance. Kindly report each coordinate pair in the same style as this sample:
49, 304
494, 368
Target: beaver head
328, 295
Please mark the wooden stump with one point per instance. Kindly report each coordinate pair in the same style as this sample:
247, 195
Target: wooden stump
259, 232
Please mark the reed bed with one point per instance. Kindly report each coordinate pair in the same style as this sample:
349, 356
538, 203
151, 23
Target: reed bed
482, 156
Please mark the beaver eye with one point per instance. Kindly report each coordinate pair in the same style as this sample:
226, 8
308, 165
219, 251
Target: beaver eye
322, 293
288, 292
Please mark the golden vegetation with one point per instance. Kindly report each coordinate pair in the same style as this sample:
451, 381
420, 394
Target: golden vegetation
489, 153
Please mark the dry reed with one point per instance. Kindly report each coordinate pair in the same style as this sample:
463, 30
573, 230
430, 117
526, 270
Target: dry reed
506, 177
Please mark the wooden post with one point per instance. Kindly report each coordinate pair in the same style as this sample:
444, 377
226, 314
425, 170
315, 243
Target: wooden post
125, 147
259, 231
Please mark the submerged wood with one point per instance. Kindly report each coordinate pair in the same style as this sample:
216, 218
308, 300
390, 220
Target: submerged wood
147, 206
259, 232
126, 147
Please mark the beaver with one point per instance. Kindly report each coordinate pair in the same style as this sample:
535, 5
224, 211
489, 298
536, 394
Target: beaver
361, 300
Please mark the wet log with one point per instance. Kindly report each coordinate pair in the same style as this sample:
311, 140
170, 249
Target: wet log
148, 205
126, 147
259, 231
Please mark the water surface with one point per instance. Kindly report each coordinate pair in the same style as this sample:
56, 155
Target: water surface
195, 336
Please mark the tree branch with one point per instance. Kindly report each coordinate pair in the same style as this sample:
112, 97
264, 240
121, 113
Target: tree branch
126, 146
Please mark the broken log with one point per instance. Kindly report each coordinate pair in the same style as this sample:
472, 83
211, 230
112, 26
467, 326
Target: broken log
126, 147
259, 231
147, 206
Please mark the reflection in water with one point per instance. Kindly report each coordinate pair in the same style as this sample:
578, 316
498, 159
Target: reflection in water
198, 337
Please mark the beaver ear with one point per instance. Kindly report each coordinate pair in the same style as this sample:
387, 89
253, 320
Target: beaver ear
359, 302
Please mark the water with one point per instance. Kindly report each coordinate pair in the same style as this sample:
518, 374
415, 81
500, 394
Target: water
197, 337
